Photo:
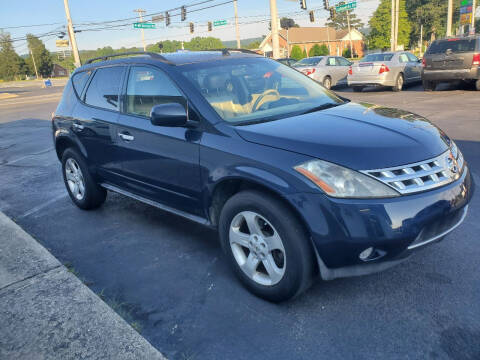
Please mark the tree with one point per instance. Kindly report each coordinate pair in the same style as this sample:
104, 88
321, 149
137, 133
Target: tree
168, 46
200, 43
346, 53
318, 50
340, 22
10, 62
285, 23
254, 45
380, 25
296, 53
42, 56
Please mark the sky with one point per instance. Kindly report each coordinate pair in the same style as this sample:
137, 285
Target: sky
253, 18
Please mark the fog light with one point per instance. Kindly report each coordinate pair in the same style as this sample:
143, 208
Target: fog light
365, 254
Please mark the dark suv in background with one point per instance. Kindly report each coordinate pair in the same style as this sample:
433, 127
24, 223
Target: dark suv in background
297, 180
452, 59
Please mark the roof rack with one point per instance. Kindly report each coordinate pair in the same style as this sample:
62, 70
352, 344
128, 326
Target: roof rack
151, 54
226, 51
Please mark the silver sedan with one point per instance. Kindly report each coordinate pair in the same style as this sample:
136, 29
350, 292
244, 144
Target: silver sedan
327, 70
393, 69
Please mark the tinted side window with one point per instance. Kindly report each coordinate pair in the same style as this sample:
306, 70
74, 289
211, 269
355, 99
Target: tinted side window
403, 58
79, 80
104, 88
343, 61
148, 87
412, 57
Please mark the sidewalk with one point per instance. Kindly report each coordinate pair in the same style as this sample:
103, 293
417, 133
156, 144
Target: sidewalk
47, 313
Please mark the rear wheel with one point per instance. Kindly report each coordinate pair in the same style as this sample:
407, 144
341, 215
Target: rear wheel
429, 85
398, 83
358, 88
81, 186
266, 246
327, 82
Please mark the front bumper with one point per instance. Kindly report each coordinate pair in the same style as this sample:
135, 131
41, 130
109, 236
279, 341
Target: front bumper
342, 228
451, 75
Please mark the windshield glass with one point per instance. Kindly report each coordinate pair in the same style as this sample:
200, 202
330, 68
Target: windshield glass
257, 89
308, 62
455, 45
378, 57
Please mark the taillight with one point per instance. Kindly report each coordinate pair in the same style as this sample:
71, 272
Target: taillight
476, 59
424, 62
383, 68
350, 71
308, 71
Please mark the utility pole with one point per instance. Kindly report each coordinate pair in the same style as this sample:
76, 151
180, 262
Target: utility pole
349, 34
71, 35
472, 29
449, 17
421, 40
237, 30
274, 26
392, 30
140, 13
34, 64
397, 20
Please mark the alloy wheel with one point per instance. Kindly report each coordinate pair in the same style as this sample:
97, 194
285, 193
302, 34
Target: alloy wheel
257, 248
75, 180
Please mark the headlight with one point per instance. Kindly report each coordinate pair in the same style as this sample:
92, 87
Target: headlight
457, 154
341, 182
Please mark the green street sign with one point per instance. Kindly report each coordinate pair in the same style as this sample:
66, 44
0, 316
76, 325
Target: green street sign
220, 22
344, 7
144, 26
466, 2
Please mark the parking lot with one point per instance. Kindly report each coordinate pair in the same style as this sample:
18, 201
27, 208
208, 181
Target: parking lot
167, 275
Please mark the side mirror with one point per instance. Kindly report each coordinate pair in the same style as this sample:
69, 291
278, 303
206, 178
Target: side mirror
169, 114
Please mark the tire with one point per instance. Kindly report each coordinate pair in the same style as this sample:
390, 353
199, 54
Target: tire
358, 88
75, 173
327, 82
293, 261
429, 85
477, 85
399, 81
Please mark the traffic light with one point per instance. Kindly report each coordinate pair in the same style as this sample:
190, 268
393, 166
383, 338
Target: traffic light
191, 28
326, 4
183, 13
167, 19
312, 16
303, 4
333, 13
209, 26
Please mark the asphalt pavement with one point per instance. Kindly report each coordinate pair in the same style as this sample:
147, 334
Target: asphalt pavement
169, 276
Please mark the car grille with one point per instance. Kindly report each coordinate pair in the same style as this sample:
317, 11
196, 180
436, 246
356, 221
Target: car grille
421, 176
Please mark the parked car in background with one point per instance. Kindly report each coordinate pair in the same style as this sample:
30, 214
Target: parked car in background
450, 60
392, 69
287, 61
327, 70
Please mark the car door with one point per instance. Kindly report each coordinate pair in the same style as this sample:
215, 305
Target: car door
333, 70
343, 67
95, 120
415, 65
405, 67
160, 163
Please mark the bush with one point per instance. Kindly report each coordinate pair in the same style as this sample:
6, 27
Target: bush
324, 50
346, 53
296, 53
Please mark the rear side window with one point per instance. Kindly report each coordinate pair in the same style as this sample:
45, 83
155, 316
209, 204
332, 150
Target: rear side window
104, 88
455, 45
412, 57
79, 80
403, 58
148, 87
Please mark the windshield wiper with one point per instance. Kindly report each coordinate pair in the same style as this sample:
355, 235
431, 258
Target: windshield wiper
321, 107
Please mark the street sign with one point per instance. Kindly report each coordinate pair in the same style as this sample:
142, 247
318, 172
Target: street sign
144, 26
465, 19
466, 2
62, 43
220, 22
344, 7
477, 13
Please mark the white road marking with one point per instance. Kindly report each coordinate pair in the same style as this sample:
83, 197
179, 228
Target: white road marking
36, 209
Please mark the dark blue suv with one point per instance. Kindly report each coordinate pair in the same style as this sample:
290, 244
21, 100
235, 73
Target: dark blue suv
297, 180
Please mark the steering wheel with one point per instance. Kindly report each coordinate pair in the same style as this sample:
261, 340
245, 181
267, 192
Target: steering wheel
260, 98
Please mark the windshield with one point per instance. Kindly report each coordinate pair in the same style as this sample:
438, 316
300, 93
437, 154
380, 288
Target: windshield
257, 89
308, 62
378, 57
455, 45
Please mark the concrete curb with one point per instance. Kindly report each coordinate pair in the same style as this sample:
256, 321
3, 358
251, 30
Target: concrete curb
47, 313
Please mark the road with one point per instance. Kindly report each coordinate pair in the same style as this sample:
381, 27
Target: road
169, 276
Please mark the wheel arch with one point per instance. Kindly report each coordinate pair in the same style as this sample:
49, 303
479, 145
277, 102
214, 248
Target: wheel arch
63, 142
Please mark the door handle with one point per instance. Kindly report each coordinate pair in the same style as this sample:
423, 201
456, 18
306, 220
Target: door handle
77, 126
126, 136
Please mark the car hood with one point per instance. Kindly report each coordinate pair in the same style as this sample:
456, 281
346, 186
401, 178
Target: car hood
359, 136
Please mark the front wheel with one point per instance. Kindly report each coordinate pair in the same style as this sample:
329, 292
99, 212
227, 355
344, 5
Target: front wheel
266, 246
398, 83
